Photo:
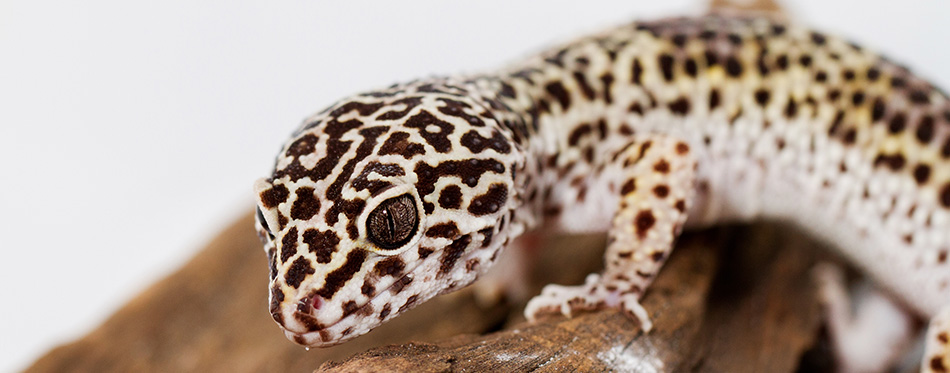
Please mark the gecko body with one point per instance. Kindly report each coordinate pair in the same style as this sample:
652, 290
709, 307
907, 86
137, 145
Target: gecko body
388, 198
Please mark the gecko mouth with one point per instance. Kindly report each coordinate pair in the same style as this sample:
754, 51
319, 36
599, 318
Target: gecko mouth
307, 330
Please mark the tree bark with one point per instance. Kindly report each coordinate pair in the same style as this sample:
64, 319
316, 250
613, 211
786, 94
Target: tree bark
735, 299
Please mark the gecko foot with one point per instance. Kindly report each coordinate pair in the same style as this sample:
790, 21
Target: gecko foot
593, 294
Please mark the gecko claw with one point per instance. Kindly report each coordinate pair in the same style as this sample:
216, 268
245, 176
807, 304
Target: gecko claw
594, 294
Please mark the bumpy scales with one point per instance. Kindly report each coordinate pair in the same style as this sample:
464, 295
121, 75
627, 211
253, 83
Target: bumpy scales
391, 197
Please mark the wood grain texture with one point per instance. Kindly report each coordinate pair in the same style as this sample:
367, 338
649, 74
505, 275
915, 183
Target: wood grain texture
733, 299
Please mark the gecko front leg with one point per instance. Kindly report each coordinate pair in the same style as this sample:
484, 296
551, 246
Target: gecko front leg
655, 180
937, 343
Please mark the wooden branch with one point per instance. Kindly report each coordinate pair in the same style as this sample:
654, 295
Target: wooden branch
758, 315
740, 304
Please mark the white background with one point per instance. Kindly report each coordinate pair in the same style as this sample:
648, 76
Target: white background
131, 133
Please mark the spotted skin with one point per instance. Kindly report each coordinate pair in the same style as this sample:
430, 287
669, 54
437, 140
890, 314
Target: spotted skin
638, 132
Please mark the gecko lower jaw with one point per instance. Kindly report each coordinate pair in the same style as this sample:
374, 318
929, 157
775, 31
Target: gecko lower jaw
302, 324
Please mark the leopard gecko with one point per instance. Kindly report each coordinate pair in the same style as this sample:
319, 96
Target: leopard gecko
390, 197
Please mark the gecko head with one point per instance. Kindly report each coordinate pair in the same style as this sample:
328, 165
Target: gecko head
368, 214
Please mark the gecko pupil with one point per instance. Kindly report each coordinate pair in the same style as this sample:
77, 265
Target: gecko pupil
393, 222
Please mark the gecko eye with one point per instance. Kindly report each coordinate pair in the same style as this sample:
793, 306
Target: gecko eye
393, 223
260, 218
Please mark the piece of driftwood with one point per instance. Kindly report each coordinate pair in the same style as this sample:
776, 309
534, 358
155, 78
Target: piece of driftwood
758, 315
728, 300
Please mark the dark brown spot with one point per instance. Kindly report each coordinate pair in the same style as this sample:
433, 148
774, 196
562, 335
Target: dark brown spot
391, 266
584, 86
919, 97
662, 166
400, 284
682, 148
302, 146
450, 197
410, 102
878, 109
409, 303
857, 98
894, 161
556, 89
385, 311
272, 262
424, 252
607, 80
847, 74
713, 99
762, 97
834, 94
469, 172
661, 191
321, 243
491, 201
637, 73
438, 139
679, 40
897, 123
376, 186
298, 271
666, 66
338, 277
925, 130
791, 108
898, 82
452, 253
680, 206
643, 222
636, 108
805, 60
921, 173
936, 364
691, 68
349, 307
369, 134
711, 58
734, 39
850, 136
818, 38
288, 245
444, 230
733, 67
628, 187
368, 289
274, 196
363, 109
579, 132
680, 106
476, 143
398, 143
782, 62
945, 195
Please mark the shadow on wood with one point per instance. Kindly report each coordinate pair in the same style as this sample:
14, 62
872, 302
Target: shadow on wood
728, 300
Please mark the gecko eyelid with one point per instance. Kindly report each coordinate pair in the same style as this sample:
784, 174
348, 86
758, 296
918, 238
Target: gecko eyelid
260, 218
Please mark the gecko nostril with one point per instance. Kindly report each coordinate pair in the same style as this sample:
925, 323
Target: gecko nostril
309, 303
